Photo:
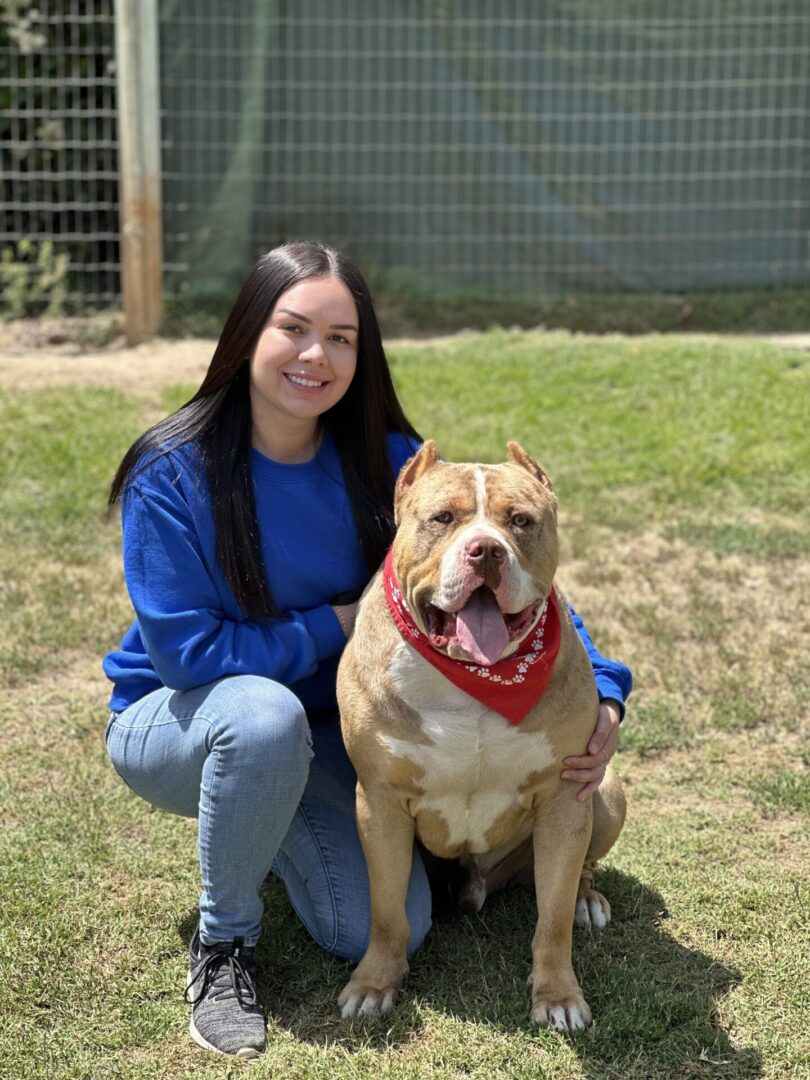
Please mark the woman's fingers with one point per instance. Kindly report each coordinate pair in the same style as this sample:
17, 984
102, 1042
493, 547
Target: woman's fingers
607, 730
597, 743
599, 739
588, 790
586, 761
582, 776
591, 778
589, 769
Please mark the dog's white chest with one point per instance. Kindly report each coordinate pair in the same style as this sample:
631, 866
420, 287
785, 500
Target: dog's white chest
476, 763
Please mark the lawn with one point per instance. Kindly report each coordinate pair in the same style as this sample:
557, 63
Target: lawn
682, 466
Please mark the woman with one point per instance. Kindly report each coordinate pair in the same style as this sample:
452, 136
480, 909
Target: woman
252, 518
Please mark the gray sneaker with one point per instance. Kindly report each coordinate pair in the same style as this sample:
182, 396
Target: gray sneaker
221, 988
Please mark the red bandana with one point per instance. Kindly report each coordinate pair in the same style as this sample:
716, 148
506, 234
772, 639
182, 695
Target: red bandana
509, 687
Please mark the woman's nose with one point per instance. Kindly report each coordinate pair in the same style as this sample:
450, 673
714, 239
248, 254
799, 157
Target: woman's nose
313, 351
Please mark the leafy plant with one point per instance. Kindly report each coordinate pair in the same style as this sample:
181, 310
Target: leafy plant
33, 279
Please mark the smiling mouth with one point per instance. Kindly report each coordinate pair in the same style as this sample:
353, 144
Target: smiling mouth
306, 382
480, 628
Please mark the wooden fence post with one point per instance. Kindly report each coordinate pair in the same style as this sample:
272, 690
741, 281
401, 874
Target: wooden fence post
138, 94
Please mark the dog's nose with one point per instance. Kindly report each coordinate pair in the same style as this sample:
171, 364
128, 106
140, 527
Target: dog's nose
481, 548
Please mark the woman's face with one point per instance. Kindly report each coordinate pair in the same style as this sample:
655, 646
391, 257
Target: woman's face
306, 356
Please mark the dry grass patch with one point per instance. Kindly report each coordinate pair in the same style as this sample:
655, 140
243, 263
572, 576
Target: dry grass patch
694, 625
141, 372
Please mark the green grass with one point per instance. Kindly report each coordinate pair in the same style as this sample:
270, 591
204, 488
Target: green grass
655, 727
55, 454
736, 708
627, 428
682, 467
783, 790
746, 538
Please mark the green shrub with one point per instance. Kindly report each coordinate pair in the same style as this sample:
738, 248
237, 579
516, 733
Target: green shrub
33, 279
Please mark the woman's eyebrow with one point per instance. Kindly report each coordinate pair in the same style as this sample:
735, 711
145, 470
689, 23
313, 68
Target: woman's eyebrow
295, 314
303, 318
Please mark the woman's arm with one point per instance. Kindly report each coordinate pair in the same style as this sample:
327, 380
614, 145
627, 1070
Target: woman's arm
614, 681
188, 636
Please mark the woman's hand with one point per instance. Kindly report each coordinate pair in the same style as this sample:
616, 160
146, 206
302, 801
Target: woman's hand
590, 767
346, 614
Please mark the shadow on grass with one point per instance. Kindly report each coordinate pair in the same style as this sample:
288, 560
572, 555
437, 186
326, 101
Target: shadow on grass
654, 1000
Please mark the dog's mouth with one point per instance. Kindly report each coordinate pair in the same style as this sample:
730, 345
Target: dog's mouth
480, 628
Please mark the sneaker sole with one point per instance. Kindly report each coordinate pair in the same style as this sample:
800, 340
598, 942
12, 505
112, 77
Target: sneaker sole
247, 1053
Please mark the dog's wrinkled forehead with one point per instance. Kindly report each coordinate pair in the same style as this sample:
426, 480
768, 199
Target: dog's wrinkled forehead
476, 490
428, 486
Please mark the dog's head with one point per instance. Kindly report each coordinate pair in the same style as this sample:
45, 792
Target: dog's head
476, 551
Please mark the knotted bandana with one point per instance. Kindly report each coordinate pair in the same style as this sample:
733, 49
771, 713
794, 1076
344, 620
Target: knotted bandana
509, 687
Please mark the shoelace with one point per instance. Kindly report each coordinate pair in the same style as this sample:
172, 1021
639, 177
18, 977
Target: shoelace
225, 961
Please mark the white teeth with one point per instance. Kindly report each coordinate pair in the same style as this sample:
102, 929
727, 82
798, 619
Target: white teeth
304, 382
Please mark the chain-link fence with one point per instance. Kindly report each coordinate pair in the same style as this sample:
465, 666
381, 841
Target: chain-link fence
59, 174
522, 147
529, 146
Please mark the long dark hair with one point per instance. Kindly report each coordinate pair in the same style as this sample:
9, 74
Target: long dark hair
218, 420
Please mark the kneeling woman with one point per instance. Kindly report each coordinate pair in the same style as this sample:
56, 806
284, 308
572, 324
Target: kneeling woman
251, 519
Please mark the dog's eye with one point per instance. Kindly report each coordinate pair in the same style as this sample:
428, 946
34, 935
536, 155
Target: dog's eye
444, 517
521, 521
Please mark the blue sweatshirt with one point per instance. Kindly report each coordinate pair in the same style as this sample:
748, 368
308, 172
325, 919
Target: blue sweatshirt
189, 630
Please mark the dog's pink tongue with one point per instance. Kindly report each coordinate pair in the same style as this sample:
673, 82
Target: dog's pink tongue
480, 628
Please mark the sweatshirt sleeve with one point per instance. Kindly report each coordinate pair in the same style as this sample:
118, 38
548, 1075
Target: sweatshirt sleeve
613, 680
187, 634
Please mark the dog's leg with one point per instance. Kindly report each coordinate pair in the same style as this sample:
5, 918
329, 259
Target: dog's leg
609, 809
561, 836
387, 834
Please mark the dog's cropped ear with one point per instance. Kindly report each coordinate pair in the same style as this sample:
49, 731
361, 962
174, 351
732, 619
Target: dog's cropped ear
518, 456
425, 458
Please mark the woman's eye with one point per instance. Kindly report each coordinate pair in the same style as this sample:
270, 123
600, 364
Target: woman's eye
444, 517
340, 339
521, 521
291, 326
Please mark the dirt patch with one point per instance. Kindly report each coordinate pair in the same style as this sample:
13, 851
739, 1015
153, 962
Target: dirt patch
792, 341
40, 356
141, 371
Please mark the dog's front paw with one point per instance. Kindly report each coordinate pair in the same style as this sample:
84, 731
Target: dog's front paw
592, 909
561, 1007
571, 1013
358, 998
375, 983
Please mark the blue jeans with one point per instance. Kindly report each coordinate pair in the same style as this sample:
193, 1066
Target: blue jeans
273, 791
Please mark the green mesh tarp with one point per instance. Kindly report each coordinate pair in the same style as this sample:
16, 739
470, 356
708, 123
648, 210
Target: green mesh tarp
513, 146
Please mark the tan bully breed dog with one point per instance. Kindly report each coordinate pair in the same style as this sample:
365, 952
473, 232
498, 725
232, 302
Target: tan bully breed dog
461, 690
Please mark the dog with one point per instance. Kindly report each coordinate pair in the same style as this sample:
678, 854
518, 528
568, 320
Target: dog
462, 688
